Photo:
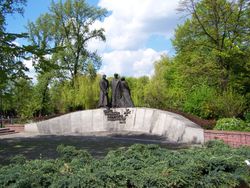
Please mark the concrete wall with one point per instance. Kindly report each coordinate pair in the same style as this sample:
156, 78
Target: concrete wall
172, 126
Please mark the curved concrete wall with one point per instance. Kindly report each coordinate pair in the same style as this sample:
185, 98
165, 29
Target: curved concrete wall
174, 127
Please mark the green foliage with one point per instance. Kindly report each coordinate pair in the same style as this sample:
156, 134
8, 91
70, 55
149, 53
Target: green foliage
138, 90
165, 89
216, 144
22, 99
217, 31
68, 153
11, 54
18, 159
200, 101
208, 76
212, 50
232, 124
35, 173
216, 165
230, 104
247, 116
206, 102
84, 94
67, 29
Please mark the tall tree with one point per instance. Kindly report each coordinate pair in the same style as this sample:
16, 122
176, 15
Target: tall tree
11, 65
69, 25
217, 29
40, 35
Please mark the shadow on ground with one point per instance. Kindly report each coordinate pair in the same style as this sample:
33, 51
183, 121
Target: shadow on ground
44, 146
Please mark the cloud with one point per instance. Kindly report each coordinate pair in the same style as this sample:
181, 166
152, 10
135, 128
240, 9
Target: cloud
132, 22
31, 73
130, 63
128, 29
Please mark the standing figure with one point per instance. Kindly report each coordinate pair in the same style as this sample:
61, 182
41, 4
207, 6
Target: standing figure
104, 88
126, 100
116, 91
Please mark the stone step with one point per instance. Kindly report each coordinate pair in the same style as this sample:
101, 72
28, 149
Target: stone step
7, 133
4, 131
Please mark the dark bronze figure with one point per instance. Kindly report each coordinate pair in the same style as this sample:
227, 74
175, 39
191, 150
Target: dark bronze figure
104, 87
125, 100
116, 91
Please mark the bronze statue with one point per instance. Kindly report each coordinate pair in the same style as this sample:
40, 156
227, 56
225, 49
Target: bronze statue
125, 100
116, 91
104, 88
121, 96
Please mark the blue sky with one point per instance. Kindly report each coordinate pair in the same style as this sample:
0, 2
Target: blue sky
138, 32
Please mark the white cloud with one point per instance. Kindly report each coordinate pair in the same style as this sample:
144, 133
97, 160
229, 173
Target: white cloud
31, 73
128, 27
132, 22
130, 63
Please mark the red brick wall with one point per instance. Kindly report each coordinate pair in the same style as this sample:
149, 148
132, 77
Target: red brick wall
16, 127
232, 138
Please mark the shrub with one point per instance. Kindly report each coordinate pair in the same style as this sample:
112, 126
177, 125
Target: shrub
215, 143
136, 166
231, 124
200, 101
18, 159
247, 116
229, 104
68, 153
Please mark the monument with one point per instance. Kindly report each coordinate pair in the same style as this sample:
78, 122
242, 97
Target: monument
121, 96
116, 91
125, 100
173, 127
104, 88
123, 117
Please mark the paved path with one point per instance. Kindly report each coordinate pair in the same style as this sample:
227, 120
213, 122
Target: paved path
35, 146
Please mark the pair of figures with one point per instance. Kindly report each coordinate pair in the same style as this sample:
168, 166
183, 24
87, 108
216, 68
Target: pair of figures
120, 93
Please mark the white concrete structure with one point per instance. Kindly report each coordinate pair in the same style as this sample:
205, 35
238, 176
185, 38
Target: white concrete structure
173, 127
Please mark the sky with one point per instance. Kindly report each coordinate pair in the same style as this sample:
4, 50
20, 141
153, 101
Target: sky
137, 33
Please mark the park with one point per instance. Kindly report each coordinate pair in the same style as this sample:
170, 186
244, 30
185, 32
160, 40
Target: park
112, 93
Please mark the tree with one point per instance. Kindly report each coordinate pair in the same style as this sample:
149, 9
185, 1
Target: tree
40, 35
11, 65
41, 94
68, 26
218, 31
10, 7
22, 98
61, 37
137, 87
164, 90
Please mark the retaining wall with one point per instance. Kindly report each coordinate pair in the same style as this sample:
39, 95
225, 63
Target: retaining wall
232, 138
16, 127
173, 127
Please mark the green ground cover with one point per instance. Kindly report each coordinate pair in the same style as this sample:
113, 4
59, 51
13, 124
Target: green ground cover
214, 165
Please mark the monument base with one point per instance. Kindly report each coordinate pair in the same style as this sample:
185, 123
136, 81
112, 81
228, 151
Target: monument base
173, 127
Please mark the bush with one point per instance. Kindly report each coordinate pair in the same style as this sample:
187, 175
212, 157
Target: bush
68, 153
232, 124
229, 104
247, 116
136, 166
18, 159
201, 101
